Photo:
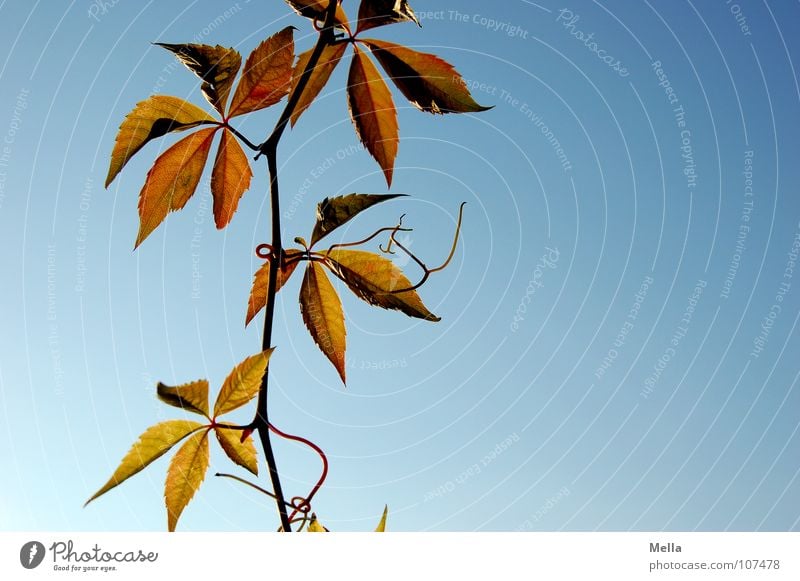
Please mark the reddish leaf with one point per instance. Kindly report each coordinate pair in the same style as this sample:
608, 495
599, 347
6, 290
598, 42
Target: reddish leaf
230, 179
258, 294
430, 83
172, 180
215, 65
323, 315
331, 55
267, 74
372, 13
333, 212
373, 112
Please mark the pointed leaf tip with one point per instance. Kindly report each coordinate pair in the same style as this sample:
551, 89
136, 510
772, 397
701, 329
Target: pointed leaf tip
242, 384
185, 475
334, 212
323, 316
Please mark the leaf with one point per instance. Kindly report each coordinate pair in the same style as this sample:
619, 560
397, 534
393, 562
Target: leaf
172, 180
192, 397
267, 74
333, 212
315, 10
185, 475
372, 111
323, 315
315, 527
151, 118
381, 528
152, 444
258, 294
373, 278
241, 453
430, 83
330, 57
372, 13
215, 65
230, 179
242, 384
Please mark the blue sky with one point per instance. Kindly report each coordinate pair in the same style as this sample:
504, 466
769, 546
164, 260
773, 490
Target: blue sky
618, 323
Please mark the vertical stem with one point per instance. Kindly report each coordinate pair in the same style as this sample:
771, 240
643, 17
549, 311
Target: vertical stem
270, 149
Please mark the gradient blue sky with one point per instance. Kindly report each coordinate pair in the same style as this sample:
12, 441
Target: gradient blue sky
500, 417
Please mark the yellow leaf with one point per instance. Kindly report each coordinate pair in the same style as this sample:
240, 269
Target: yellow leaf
191, 397
430, 83
372, 13
315, 10
330, 57
372, 111
172, 180
215, 65
152, 444
376, 280
185, 475
267, 74
241, 453
258, 294
381, 528
230, 179
323, 315
242, 384
315, 527
152, 118
333, 212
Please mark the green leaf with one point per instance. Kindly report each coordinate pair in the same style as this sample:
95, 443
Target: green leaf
192, 397
333, 212
242, 384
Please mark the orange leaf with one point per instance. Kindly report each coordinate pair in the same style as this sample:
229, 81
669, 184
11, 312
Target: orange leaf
315, 10
242, 384
376, 280
240, 452
372, 13
323, 315
330, 57
230, 178
215, 65
373, 112
192, 397
151, 118
258, 294
430, 83
267, 74
172, 180
185, 475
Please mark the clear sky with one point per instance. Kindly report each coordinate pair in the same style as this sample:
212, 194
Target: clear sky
618, 344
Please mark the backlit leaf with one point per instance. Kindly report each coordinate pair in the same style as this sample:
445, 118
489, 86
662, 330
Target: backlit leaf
372, 111
172, 180
151, 118
258, 294
373, 278
152, 444
333, 212
192, 397
372, 13
267, 74
315, 527
381, 528
230, 179
430, 83
323, 315
242, 384
185, 475
315, 10
330, 57
241, 453
215, 65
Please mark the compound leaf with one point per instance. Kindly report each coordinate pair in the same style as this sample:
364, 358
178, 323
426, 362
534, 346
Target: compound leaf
372, 13
372, 111
323, 315
185, 475
192, 397
377, 280
267, 74
215, 65
242, 384
172, 180
429, 82
230, 179
258, 294
333, 212
241, 453
151, 445
152, 118
330, 57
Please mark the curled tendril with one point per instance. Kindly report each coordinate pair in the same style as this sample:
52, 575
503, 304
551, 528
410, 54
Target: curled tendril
264, 251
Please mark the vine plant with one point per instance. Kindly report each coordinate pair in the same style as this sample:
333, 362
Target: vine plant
270, 73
